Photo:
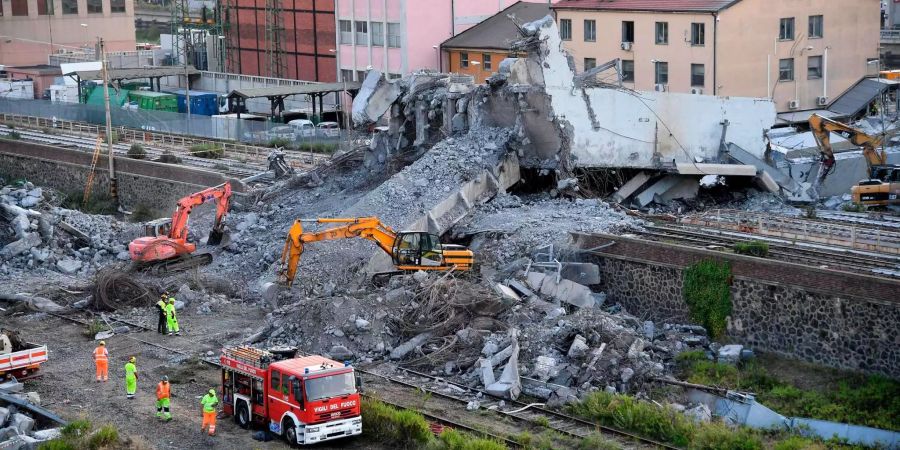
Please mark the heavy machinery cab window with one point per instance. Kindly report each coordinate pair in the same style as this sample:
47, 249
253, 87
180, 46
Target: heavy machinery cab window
330, 386
276, 381
419, 248
431, 250
297, 387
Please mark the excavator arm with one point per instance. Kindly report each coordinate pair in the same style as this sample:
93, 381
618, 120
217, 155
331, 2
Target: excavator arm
363, 227
823, 127
221, 194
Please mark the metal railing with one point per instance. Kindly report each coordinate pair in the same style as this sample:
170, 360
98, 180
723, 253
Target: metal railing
892, 35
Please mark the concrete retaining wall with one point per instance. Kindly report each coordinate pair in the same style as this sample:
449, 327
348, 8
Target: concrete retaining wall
838, 319
141, 183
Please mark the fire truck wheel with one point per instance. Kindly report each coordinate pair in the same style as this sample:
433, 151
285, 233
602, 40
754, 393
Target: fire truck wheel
290, 432
242, 416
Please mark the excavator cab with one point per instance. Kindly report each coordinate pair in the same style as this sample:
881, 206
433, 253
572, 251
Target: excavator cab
418, 248
158, 227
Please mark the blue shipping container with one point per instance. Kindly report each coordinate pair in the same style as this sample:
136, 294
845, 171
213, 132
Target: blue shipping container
202, 102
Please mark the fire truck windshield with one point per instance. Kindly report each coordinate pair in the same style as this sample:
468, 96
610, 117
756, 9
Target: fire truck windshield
330, 386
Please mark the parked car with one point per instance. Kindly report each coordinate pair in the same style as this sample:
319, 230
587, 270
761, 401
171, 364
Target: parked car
329, 129
303, 128
282, 132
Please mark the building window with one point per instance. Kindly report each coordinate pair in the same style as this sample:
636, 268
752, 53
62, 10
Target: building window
346, 32
565, 29
45, 7
814, 67
628, 70
393, 35
662, 32
627, 31
662, 72
786, 29
360, 75
589, 63
486, 62
95, 6
70, 6
463, 59
698, 34
590, 31
378, 34
815, 26
346, 75
786, 69
362, 33
698, 75
20, 7
116, 6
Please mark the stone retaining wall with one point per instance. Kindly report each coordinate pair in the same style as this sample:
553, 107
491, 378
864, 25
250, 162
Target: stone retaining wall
837, 327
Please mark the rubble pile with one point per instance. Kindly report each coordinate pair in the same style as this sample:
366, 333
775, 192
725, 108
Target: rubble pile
35, 235
21, 426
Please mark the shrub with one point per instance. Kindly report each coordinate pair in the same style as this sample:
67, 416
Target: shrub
397, 428
92, 328
595, 441
454, 440
752, 248
643, 418
853, 207
280, 142
98, 203
716, 436
104, 437
319, 147
209, 150
707, 292
76, 428
169, 158
136, 151
798, 443
57, 444
14, 135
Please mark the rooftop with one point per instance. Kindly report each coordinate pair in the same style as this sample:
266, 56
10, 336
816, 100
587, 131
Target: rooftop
498, 31
135, 73
647, 5
305, 89
37, 68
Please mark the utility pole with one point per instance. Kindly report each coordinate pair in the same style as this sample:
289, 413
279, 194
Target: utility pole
113, 189
187, 91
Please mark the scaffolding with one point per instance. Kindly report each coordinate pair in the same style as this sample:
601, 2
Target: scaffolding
229, 44
275, 39
189, 31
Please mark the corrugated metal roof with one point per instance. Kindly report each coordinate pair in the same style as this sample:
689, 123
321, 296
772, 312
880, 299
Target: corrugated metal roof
134, 74
647, 5
498, 31
303, 89
858, 97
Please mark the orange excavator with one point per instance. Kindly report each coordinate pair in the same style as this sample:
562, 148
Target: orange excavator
166, 248
409, 250
882, 187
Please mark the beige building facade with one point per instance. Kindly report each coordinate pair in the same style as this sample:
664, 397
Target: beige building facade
32, 29
800, 53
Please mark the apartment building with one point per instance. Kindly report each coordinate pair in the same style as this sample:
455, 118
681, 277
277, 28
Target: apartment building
295, 41
479, 50
800, 53
399, 36
30, 30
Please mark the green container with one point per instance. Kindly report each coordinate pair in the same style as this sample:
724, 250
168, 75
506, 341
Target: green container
156, 101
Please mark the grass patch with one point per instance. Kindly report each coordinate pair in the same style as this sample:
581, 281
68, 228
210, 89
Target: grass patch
856, 399
280, 142
318, 147
136, 151
716, 436
853, 207
646, 419
752, 248
595, 441
81, 434
14, 135
454, 440
208, 150
98, 203
707, 292
92, 328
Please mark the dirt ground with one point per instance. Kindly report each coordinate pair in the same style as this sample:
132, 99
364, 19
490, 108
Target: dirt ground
67, 385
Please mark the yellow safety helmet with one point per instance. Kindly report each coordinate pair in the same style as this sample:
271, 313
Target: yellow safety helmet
133, 359
102, 342
171, 299
212, 391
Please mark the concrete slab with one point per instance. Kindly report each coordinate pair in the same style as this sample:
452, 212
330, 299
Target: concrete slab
768, 183
631, 186
685, 188
735, 170
778, 176
649, 195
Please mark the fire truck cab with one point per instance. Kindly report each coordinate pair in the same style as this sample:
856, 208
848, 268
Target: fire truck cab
306, 400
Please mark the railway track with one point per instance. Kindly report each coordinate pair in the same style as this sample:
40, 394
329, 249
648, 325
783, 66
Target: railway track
230, 167
813, 255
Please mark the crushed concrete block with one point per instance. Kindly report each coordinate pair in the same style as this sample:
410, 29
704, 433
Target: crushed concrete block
649, 329
6, 434
375, 97
508, 295
22, 423
23, 245
509, 385
46, 435
583, 273
403, 349
650, 194
4, 414
730, 354
340, 353
630, 187
767, 182
489, 349
636, 348
501, 356
487, 372
33, 397
520, 288
699, 413
579, 347
561, 396
362, 324
69, 266
626, 374
545, 368
565, 290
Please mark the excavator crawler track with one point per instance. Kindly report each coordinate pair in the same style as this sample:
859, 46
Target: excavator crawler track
175, 265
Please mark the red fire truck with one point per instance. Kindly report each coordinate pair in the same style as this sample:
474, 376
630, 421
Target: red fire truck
306, 400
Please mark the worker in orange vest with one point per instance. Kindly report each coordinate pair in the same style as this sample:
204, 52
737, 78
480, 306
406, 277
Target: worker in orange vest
101, 360
163, 390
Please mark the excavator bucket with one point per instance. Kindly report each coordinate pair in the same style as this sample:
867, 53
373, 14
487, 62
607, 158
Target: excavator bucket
218, 237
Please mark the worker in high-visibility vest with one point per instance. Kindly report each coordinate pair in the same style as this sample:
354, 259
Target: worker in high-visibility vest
172, 318
163, 391
101, 361
209, 402
162, 315
131, 377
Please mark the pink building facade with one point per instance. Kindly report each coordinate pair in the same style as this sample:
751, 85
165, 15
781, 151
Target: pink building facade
400, 36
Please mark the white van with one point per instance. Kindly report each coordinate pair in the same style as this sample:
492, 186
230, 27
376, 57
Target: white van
303, 128
329, 129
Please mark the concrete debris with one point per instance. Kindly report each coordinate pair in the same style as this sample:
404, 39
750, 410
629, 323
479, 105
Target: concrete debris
508, 385
579, 347
403, 349
730, 354
699, 413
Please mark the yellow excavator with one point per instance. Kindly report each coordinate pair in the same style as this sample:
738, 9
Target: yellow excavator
409, 250
882, 188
